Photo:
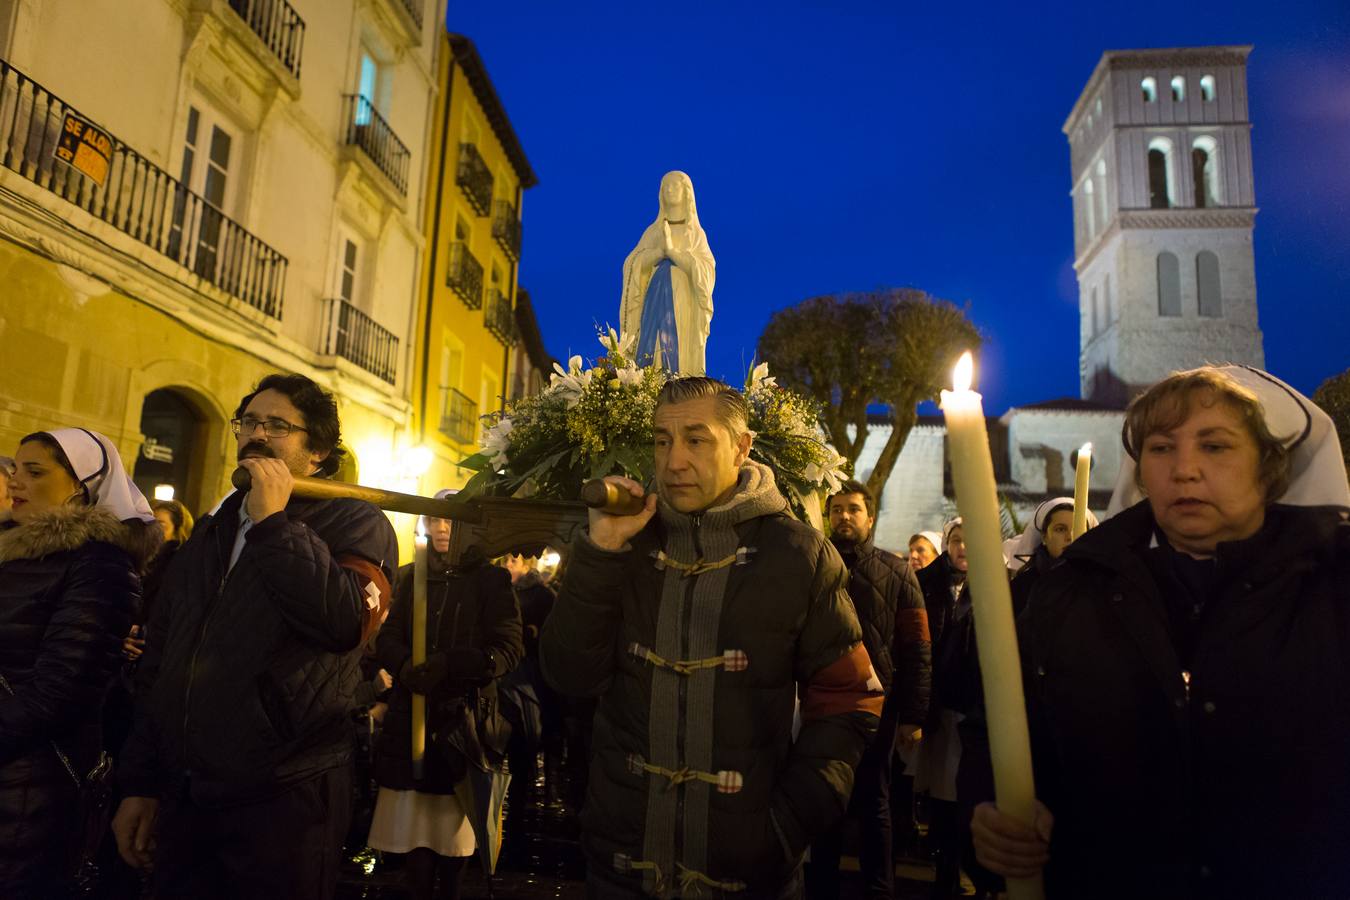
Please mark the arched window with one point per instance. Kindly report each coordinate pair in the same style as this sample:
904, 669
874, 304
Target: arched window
1160, 193
1207, 88
1169, 285
1091, 205
1205, 171
1149, 87
1207, 284
1178, 89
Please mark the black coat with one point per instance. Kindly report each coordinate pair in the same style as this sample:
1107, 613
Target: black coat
247, 681
68, 588
894, 620
786, 607
469, 607
1223, 777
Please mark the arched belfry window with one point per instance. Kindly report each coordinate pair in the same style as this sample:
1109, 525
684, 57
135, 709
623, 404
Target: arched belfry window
1178, 89
1205, 171
1160, 192
1207, 88
1169, 285
1149, 88
1207, 284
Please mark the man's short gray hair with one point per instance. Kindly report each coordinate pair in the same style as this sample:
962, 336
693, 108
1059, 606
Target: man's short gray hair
732, 410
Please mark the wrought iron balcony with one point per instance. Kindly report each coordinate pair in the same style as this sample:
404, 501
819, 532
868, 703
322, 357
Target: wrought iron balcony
138, 198
459, 416
368, 130
474, 179
464, 275
506, 228
414, 9
278, 25
356, 337
499, 317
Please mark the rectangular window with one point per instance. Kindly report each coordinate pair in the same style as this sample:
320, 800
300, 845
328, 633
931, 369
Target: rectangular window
210, 154
489, 398
347, 285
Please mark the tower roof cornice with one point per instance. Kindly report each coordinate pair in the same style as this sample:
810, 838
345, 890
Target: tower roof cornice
1171, 57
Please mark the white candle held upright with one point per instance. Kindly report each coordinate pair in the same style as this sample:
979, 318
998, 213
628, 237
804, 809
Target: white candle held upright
419, 651
1082, 475
995, 634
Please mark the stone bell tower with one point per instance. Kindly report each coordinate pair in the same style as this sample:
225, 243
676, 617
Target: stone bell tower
1163, 209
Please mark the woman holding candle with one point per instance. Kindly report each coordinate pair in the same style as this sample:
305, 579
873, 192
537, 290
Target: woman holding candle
473, 637
1188, 665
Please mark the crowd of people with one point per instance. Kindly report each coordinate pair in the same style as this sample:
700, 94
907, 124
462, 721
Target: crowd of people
236, 693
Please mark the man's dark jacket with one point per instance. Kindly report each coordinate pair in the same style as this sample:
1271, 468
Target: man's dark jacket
247, 680
894, 622
1224, 776
470, 611
772, 603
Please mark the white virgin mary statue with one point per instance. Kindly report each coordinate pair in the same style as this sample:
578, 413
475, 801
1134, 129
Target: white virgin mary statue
668, 284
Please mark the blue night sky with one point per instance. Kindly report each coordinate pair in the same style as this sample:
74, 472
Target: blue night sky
849, 146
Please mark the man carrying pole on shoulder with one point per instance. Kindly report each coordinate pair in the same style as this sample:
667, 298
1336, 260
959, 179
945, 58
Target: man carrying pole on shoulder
696, 622
237, 775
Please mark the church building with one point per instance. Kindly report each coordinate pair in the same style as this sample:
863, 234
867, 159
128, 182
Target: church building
1163, 210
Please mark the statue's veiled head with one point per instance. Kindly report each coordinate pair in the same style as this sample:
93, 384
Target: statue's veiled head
677, 197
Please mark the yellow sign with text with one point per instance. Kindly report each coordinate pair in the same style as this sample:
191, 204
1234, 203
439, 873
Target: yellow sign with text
85, 148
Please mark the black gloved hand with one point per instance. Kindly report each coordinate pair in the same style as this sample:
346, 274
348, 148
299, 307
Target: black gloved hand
424, 678
470, 664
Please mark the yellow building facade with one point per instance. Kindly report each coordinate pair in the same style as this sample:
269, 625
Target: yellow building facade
466, 362
260, 211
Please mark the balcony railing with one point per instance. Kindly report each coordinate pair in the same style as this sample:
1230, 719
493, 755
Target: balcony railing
368, 130
506, 228
278, 25
414, 8
459, 416
138, 198
356, 337
499, 318
464, 275
474, 179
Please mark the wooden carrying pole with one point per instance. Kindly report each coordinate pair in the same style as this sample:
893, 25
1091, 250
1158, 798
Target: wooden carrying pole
324, 489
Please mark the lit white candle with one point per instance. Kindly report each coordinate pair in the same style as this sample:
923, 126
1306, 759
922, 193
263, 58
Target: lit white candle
995, 634
1080, 490
419, 651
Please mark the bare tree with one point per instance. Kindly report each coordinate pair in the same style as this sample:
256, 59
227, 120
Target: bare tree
893, 347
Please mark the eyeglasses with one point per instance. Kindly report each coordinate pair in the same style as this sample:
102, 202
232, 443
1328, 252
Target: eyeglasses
273, 428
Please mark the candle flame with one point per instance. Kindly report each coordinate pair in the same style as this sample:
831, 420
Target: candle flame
964, 372
1086, 449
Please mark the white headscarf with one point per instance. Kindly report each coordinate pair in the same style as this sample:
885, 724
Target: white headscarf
1018, 550
932, 537
947, 528
1316, 467
99, 470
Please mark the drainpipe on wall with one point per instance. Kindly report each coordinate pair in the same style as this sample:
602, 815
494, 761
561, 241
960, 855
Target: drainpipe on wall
435, 247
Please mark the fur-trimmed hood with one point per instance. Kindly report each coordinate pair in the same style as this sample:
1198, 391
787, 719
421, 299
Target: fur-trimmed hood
68, 527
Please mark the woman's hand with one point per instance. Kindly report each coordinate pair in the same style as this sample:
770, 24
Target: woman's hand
1008, 846
133, 645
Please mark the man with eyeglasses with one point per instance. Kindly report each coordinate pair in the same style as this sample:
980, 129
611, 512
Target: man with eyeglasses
237, 775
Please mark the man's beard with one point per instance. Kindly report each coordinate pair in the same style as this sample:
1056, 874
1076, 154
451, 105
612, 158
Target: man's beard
847, 540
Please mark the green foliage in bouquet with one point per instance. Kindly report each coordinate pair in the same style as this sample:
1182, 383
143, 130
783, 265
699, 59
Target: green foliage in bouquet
592, 422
